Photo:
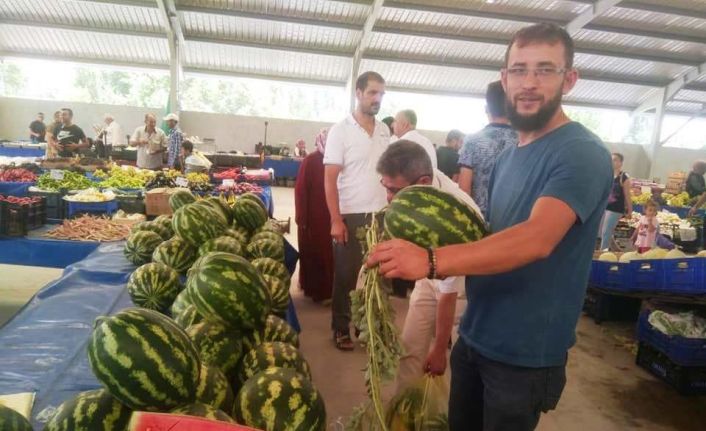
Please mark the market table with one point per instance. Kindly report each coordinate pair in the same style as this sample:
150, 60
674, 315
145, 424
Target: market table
19, 190
43, 347
21, 152
283, 168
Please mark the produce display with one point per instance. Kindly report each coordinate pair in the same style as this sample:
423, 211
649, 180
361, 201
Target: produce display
255, 198
274, 249
92, 410
240, 235
12, 421
214, 389
71, 181
140, 245
222, 243
124, 177
148, 421
175, 253
154, 286
204, 411
219, 206
685, 324
279, 294
187, 317
199, 182
161, 179
17, 175
164, 231
91, 195
90, 228
180, 198
276, 329
239, 188
197, 224
20, 201
268, 266
272, 354
217, 345
249, 214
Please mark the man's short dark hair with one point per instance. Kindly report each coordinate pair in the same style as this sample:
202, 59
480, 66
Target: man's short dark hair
495, 99
620, 156
454, 134
388, 122
187, 145
71, 113
40, 113
362, 82
407, 159
411, 116
544, 33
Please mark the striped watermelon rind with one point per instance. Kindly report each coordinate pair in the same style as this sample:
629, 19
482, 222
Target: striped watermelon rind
279, 293
272, 354
225, 243
222, 206
272, 267
144, 359
270, 226
203, 411
95, 410
430, 217
140, 246
154, 286
296, 405
180, 303
228, 289
11, 420
255, 198
266, 248
268, 234
214, 389
217, 345
276, 329
197, 224
181, 198
175, 253
248, 214
217, 209
189, 316
239, 234
158, 228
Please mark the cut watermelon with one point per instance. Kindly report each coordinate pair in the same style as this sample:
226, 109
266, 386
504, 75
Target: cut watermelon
145, 421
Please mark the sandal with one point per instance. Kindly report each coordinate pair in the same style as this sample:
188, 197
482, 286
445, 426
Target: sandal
343, 341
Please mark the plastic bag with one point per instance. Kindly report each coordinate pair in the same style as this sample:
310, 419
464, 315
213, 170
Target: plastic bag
421, 407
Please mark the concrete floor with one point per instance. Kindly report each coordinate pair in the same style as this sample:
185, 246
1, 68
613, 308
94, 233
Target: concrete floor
605, 391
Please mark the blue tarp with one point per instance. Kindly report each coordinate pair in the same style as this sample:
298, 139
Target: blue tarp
44, 252
266, 196
43, 348
286, 168
15, 189
21, 152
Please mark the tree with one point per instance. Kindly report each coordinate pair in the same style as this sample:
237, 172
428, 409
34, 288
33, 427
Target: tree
12, 79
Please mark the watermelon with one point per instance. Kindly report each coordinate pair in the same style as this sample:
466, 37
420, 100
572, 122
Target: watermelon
266, 248
294, 405
181, 198
270, 226
180, 303
203, 411
164, 232
276, 329
255, 198
248, 214
239, 234
228, 289
217, 345
279, 293
272, 354
154, 286
268, 234
90, 411
222, 206
224, 243
272, 267
197, 224
175, 253
140, 246
164, 220
188, 316
429, 217
144, 359
146, 421
11, 420
215, 208
214, 389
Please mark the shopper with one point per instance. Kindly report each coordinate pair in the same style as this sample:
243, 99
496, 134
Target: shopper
353, 192
37, 129
388, 122
481, 150
528, 278
695, 184
314, 225
151, 143
300, 149
69, 139
52, 143
619, 201
433, 306
447, 156
645, 235
110, 135
175, 140
405, 126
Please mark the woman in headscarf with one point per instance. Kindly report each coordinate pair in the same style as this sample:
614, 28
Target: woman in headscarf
314, 225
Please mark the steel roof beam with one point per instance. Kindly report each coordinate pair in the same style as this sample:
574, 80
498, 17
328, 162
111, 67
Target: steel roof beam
664, 7
584, 18
175, 36
132, 3
273, 46
672, 88
76, 27
363, 43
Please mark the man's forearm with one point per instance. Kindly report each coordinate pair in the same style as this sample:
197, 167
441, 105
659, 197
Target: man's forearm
445, 314
465, 179
331, 191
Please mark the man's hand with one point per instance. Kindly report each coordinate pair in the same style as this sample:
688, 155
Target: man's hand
400, 259
339, 231
692, 211
71, 147
435, 364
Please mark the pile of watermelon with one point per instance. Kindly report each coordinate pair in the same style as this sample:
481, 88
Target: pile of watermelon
213, 347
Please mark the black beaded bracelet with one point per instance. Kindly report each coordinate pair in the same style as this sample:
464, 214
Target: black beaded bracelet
432, 263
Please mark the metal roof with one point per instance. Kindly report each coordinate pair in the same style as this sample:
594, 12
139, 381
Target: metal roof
624, 54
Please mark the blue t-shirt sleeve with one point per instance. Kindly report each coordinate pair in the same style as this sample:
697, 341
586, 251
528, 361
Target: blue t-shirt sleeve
467, 155
580, 177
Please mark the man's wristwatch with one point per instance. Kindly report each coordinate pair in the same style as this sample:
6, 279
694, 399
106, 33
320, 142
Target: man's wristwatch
432, 263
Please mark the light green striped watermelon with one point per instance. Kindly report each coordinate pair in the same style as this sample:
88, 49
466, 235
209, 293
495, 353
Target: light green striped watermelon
226, 244
272, 354
164, 232
203, 411
222, 206
90, 411
144, 359
268, 266
181, 198
268, 234
214, 389
217, 345
279, 293
270, 226
154, 286
295, 405
217, 209
11, 420
175, 253
276, 329
228, 289
188, 316
140, 246
266, 248
164, 219
248, 214
239, 234
197, 224
255, 198
180, 303
429, 217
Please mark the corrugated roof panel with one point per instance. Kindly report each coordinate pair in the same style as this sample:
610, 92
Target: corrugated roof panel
653, 20
274, 32
691, 95
84, 14
598, 64
607, 93
278, 63
83, 45
684, 107
532, 8
640, 44
683, 4
448, 23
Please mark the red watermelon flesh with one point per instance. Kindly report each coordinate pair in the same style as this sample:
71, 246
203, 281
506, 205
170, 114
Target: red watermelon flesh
147, 421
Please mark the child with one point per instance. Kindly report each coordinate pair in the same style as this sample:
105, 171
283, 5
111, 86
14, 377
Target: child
646, 231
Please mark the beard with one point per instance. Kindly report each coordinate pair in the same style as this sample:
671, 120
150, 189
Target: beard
372, 109
536, 121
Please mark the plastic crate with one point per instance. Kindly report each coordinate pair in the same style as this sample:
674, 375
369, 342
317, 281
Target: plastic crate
55, 206
603, 307
131, 204
680, 350
108, 207
13, 221
683, 275
596, 276
610, 275
37, 216
646, 275
686, 380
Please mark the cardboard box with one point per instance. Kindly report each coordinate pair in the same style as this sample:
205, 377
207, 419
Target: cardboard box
157, 201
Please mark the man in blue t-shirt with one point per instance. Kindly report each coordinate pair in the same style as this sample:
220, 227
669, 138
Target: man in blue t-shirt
528, 279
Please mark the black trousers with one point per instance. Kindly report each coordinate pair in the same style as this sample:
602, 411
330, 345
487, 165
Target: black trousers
488, 395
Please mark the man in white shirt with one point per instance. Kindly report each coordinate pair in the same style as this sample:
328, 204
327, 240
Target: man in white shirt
434, 306
113, 132
151, 144
353, 192
405, 126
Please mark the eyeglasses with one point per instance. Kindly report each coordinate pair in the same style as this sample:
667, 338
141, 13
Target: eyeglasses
395, 190
540, 72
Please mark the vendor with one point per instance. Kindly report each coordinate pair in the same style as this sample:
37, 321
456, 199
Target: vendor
50, 138
151, 144
300, 149
68, 138
193, 160
37, 129
695, 184
176, 137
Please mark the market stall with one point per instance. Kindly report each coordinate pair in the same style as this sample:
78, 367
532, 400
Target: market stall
21, 150
283, 167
